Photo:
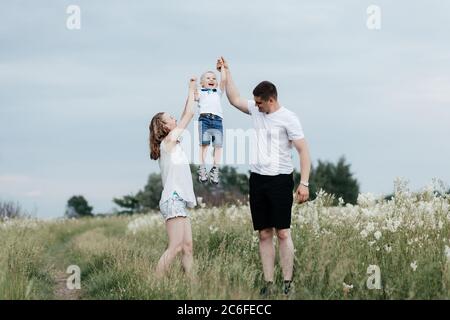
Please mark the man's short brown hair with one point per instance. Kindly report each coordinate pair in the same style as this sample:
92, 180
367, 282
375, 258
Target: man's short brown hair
265, 90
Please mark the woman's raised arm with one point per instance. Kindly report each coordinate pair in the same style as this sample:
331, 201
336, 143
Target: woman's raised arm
188, 113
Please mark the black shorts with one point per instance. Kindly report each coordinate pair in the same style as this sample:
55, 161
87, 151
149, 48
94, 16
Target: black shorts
271, 199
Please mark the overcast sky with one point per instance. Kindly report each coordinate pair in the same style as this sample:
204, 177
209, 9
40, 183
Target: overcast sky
75, 104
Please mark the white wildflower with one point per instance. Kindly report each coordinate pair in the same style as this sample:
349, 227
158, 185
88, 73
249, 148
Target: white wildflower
377, 235
447, 252
366, 200
213, 229
143, 223
393, 225
413, 265
370, 227
364, 233
347, 286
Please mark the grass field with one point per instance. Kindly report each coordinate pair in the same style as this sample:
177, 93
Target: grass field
407, 238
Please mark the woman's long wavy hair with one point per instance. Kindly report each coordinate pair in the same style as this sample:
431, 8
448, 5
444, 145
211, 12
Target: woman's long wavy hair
158, 131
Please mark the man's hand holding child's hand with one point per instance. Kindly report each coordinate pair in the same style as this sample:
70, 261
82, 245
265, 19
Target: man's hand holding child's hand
219, 64
223, 62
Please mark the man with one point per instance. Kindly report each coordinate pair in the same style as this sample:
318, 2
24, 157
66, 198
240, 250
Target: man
271, 179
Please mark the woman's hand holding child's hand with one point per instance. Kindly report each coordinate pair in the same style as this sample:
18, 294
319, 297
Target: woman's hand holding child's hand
193, 83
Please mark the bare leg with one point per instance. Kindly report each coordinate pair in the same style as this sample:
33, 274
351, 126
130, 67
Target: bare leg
286, 252
267, 252
203, 151
175, 231
187, 259
217, 155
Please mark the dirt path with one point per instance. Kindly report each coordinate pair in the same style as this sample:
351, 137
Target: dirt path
61, 291
60, 257
57, 256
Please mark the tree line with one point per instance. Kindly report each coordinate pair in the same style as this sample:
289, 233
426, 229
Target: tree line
333, 178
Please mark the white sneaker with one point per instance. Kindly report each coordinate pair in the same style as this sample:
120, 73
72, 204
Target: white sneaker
214, 175
202, 175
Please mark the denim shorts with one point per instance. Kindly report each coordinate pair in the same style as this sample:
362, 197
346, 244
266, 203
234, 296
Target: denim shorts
210, 129
174, 207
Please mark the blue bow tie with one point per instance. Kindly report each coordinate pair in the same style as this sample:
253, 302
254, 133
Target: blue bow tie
205, 89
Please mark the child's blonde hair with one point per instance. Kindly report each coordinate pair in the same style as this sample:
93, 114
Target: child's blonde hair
204, 75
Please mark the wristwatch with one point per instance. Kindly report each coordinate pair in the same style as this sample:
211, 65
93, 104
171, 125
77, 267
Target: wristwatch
306, 184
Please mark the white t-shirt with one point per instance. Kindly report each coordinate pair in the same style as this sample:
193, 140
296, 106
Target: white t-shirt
176, 175
209, 102
271, 154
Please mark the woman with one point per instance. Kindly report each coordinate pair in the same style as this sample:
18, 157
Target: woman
178, 191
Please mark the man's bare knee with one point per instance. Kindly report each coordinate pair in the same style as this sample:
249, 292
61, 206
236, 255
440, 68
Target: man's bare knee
266, 234
283, 234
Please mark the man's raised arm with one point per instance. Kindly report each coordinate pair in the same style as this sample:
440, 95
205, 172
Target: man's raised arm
232, 92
